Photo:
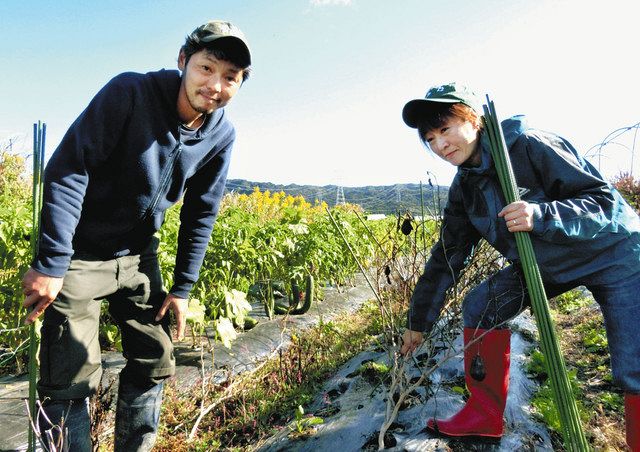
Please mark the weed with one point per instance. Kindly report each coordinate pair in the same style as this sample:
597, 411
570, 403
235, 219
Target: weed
545, 407
258, 405
537, 367
303, 423
594, 336
612, 401
583, 342
570, 301
373, 372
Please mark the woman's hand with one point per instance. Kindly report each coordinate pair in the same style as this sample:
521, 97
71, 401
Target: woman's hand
410, 341
518, 216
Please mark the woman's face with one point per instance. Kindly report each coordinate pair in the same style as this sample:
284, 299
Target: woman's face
456, 141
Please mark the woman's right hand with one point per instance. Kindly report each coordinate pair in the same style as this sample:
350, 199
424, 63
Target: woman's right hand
410, 341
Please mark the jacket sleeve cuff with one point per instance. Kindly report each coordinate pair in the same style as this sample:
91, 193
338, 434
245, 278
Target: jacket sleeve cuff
538, 223
423, 326
181, 289
55, 267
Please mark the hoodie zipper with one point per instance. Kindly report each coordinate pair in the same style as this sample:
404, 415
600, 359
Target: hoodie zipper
164, 180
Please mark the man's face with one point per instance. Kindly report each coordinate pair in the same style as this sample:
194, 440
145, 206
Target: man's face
207, 83
456, 141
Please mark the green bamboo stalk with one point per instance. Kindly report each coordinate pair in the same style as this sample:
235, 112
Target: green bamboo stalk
39, 133
573, 435
556, 371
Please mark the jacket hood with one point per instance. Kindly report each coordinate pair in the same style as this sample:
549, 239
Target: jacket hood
512, 128
168, 83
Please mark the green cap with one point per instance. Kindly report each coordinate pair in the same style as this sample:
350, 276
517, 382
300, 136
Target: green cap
221, 29
451, 93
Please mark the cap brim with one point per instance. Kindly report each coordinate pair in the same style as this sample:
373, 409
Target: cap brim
235, 44
417, 108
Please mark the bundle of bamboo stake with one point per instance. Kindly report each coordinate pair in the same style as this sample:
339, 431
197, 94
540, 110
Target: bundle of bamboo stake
39, 133
573, 435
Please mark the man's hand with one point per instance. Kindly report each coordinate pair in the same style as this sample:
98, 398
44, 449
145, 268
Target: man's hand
179, 307
410, 341
40, 291
518, 216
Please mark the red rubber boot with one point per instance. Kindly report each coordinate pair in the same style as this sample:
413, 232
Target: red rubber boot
482, 415
632, 419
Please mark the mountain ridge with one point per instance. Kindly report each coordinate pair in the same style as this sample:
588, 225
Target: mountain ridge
374, 199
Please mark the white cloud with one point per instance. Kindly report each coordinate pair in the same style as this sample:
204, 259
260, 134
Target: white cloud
330, 2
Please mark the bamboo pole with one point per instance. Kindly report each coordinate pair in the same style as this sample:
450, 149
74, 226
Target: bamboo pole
39, 134
572, 433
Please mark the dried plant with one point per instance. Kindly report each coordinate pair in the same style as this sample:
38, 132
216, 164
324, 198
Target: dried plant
398, 270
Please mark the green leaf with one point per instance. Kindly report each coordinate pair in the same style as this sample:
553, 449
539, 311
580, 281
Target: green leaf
238, 304
195, 313
225, 331
311, 421
458, 390
299, 228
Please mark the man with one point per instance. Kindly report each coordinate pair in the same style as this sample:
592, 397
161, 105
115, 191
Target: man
143, 142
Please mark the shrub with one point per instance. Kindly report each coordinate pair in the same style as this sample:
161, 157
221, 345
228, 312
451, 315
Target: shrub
15, 229
268, 237
629, 188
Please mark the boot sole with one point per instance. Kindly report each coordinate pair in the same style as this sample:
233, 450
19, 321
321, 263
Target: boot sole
491, 439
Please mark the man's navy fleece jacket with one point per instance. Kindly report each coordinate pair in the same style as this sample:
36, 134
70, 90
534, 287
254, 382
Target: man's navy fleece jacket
120, 165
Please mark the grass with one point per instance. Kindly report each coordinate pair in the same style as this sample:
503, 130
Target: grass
277, 396
265, 401
580, 329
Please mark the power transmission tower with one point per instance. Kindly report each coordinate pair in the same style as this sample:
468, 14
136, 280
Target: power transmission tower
340, 196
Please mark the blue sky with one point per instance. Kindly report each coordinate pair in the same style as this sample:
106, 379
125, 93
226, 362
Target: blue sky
331, 77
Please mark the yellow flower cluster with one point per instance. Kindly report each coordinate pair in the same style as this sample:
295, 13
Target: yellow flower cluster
267, 205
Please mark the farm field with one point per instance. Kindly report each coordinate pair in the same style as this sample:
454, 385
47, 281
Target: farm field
266, 247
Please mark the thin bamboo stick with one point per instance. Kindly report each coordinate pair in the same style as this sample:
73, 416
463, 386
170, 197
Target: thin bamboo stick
39, 134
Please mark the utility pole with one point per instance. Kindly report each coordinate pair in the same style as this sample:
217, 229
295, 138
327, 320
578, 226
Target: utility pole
340, 196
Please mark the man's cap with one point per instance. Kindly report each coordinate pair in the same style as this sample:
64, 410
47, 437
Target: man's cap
221, 29
450, 93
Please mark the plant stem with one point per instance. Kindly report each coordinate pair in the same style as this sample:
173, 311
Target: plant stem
424, 234
383, 310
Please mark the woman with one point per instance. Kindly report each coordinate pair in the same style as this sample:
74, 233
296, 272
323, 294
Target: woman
582, 231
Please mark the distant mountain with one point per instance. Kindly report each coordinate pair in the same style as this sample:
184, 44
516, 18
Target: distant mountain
386, 199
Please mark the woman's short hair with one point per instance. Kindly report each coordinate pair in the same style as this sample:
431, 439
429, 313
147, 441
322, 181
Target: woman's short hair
440, 113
